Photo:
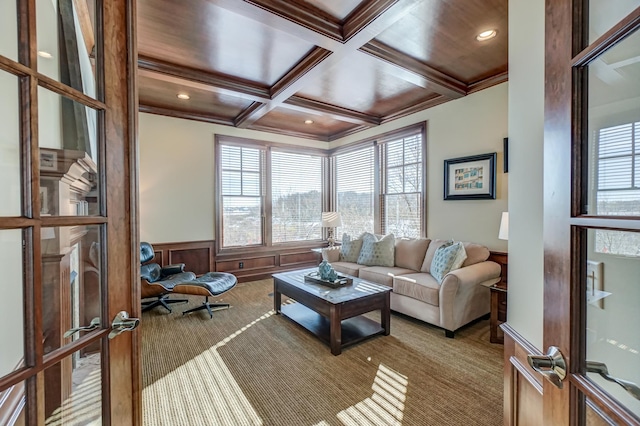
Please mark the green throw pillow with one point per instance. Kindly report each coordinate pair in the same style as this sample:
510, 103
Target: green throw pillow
376, 252
350, 249
446, 259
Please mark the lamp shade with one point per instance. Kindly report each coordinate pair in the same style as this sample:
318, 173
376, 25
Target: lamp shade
503, 234
331, 219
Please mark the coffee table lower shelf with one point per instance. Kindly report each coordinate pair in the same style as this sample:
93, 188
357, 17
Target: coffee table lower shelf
354, 329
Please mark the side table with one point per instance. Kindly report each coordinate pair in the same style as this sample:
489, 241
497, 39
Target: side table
498, 311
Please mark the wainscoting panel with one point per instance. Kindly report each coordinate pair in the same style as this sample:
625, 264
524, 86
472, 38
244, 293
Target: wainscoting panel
522, 385
252, 265
198, 256
246, 264
298, 258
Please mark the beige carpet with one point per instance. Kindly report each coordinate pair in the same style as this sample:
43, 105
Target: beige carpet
247, 366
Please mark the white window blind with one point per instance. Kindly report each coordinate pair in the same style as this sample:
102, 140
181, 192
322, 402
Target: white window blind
296, 195
241, 186
355, 191
618, 171
618, 185
401, 185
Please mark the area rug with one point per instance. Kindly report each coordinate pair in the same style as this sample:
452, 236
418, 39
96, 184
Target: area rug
247, 366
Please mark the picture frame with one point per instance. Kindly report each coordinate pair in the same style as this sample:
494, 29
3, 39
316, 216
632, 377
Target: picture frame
470, 178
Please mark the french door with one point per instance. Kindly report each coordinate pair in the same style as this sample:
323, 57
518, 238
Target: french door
68, 215
592, 213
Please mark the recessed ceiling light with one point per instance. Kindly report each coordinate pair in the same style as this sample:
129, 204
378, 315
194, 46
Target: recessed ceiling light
486, 35
183, 96
44, 54
308, 121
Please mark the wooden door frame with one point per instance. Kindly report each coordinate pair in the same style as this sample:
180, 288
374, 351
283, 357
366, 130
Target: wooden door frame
564, 236
557, 190
120, 72
120, 159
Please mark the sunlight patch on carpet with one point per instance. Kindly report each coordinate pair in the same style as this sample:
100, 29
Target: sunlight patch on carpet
208, 389
385, 406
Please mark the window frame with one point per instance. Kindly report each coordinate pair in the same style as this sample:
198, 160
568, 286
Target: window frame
378, 141
267, 243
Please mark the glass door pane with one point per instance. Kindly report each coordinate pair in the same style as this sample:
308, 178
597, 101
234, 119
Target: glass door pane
9, 25
67, 46
612, 315
614, 131
12, 302
73, 390
71, 282
604, 14
10, 176
68, 139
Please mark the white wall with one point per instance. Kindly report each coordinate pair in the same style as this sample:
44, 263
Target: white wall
526, 125
475, 124
177, 176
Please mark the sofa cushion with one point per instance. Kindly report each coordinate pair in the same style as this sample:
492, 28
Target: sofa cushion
420, 286
349, 268
376, 252
446, 259
410, 252
350, 249
476, 253
382, 274
431, 251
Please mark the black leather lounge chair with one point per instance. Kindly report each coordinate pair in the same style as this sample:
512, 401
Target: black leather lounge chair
159, 282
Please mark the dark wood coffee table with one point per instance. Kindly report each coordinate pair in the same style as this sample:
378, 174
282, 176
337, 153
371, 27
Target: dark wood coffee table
333, 315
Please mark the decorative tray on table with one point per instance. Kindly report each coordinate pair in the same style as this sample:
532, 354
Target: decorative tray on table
314, 277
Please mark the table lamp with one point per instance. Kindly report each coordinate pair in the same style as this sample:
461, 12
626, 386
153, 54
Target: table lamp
503, 234
331, 220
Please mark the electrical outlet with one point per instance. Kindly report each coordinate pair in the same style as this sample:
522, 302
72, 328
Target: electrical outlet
241, 265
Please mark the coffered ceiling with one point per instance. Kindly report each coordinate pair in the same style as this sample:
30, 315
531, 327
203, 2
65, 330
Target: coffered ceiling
345, 65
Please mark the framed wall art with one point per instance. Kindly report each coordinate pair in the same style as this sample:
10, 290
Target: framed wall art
470, 178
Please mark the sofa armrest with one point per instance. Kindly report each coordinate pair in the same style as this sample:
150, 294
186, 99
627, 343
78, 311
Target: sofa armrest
331, 254
464, 293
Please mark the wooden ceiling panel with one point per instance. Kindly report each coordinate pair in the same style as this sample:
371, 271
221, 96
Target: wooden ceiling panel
442, 35
158, 93
349, 64
203, 36
338, 8
364, 84
292, 122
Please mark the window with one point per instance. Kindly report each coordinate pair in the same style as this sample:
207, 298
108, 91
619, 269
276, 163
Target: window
618, 185
242, 206
268, 195
401, 195
379, 188
296, 197
355, 190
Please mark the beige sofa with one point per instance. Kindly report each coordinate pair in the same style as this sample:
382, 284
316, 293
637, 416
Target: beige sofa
462, 297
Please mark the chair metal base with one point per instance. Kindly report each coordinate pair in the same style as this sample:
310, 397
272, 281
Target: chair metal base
163, 301
206, 305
